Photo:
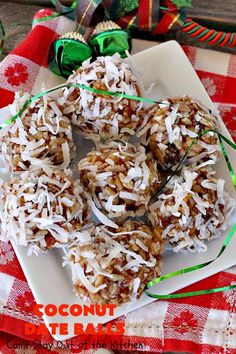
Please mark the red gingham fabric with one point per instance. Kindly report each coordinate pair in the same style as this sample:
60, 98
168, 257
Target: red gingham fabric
202, 324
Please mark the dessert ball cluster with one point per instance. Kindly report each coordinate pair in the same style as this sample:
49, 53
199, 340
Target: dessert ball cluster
193, 206
113, 266
112, 257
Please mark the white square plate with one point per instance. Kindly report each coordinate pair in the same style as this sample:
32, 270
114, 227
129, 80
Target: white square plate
167, 66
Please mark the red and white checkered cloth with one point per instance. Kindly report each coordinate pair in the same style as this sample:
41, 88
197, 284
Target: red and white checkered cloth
202, 324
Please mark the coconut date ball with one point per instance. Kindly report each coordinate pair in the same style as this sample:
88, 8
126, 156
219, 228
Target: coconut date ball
113, 266
120, 178
193, 208
102, 116
170, 127
40, 135
42, 210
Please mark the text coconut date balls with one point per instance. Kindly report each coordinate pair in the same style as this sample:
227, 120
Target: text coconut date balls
42, 210
114, 266
120, 178
99, 116
40, 135
192, 209
169, 129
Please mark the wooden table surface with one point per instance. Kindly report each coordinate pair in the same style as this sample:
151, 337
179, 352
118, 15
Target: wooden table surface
17, 16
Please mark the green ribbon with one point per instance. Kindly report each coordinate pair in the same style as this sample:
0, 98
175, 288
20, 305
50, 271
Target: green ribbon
51, 17
194, 141
230, 143
230, 168
191, 269
136, 98
227, 239
84, 87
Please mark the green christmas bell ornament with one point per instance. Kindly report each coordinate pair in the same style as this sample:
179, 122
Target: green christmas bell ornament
108, 38
67, 53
